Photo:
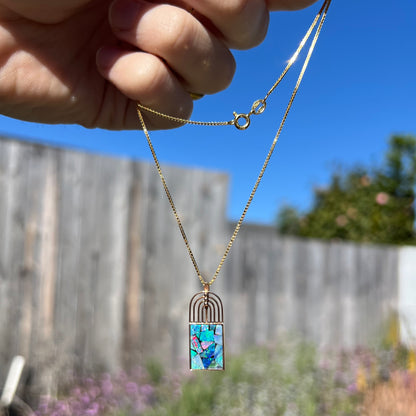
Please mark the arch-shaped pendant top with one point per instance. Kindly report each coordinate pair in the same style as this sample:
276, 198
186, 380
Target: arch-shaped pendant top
206, 307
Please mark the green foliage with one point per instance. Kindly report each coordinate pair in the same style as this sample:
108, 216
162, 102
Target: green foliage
363, 205
289, 221
155, 370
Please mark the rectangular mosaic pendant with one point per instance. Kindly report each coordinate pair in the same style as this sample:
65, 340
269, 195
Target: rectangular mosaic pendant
206, 332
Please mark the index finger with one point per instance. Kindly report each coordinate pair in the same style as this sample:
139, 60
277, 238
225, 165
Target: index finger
288, 4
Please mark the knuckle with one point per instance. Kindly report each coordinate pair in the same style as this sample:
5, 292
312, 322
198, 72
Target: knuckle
244, 22
176, 33
247, 39
221, 79
232, 8
152, 74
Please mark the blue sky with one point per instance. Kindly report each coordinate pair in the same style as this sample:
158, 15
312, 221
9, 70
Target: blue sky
360, 88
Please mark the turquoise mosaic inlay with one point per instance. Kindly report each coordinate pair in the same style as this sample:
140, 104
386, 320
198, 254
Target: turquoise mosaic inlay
206, 343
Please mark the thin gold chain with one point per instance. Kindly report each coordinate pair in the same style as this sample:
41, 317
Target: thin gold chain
259, 105
168, 194
258, 108
273, 145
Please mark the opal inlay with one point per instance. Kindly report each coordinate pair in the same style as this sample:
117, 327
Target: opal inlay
206, 343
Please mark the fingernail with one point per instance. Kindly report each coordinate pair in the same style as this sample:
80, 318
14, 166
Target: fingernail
124, 13
106, 56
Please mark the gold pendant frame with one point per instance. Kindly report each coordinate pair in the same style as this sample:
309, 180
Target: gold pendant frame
206, 331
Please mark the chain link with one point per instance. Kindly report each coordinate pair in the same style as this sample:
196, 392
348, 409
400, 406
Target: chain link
240, 121
184, 120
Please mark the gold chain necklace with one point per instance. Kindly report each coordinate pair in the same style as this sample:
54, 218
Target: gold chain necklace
206, 335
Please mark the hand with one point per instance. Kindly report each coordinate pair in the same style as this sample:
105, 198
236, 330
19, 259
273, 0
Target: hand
89, 61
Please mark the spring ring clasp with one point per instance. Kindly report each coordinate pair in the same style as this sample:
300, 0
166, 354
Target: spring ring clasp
242, 121
244, 117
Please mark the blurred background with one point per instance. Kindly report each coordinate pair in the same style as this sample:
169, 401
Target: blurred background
319, 289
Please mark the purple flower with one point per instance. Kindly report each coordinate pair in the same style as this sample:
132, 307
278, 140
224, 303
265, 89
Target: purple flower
43, 405
93, 410
106, 386
122, 376
62, 407
89, 381
147, 390
132, 388
75, 392
85, 398
94, 391
352, 388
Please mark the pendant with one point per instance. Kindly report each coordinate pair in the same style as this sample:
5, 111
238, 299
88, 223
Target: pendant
206, 331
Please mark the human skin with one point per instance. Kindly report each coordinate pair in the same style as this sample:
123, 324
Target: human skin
89, 62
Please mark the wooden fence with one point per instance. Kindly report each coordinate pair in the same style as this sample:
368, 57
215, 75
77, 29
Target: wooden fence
334, 294
94, 274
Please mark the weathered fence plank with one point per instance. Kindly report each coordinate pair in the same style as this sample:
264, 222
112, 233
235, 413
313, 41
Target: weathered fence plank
15, 261
407, 295
69, 290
